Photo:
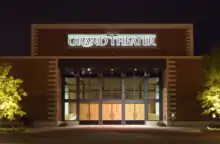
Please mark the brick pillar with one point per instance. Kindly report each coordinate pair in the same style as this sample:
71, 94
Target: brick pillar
171, 88
53, 90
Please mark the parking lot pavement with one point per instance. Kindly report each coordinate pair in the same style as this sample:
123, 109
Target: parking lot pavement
107, 134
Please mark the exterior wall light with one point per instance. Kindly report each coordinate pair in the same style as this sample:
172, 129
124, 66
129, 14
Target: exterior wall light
173, 118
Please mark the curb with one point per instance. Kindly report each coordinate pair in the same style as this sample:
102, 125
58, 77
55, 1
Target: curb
169, 129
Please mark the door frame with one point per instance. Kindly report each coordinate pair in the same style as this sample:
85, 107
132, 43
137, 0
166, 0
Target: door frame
100, 101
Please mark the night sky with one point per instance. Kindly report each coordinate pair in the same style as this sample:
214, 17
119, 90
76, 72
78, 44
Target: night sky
17, 17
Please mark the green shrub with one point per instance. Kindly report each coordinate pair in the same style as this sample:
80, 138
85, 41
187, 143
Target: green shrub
161, 124
5, 130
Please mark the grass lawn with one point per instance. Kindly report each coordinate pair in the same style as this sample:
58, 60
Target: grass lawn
10, 129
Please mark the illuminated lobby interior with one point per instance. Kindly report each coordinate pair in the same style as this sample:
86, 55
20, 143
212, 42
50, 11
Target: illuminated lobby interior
94, 95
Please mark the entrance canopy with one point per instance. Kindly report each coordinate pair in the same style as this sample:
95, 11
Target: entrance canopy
113, 63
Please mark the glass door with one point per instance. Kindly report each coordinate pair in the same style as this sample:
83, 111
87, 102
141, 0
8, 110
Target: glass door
111, 96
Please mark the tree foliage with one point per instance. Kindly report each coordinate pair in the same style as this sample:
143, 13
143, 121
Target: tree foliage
210, 96
10, 94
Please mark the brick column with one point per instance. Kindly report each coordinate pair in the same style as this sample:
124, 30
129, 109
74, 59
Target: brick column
53, 91
171, 88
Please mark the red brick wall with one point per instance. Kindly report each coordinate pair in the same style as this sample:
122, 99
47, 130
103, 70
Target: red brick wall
189, 81
34, 72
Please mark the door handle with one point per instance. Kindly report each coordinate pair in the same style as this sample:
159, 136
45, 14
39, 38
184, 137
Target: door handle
111, 115
136, 115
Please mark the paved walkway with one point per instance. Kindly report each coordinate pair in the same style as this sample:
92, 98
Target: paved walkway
111, 127
111, 133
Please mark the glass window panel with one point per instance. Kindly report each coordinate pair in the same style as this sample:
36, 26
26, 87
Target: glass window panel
134, 95
70, 111
151, 87
90, 84
89, 88
89, 95
153, 110
66, 95
153, 80
134, 88
71, 88
71, 81
111, 88
157, 92
70, 95
151, 95
66, 88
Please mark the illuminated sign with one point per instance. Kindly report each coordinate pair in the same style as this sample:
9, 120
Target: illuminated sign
122, 40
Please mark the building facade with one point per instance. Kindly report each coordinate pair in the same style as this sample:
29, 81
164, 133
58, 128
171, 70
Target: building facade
111, 74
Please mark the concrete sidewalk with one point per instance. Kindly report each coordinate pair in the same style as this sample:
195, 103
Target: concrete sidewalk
115, 127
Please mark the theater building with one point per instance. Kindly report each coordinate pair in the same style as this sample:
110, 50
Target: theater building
110, 74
